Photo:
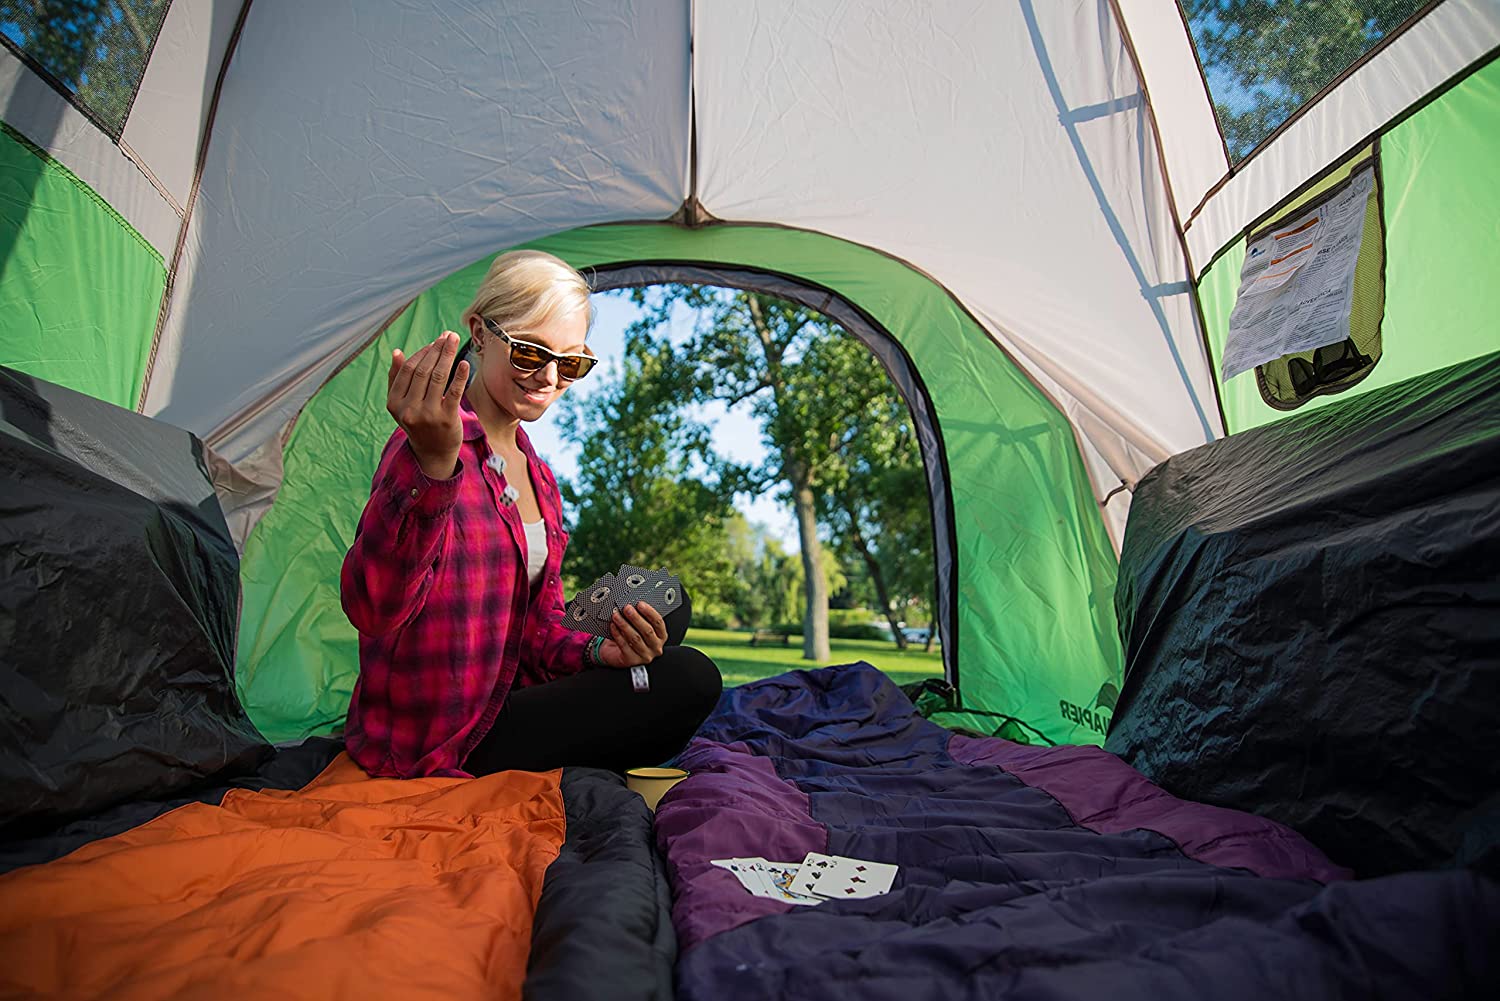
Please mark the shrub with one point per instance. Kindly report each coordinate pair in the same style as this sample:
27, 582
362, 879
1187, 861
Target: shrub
849, 617
837, 631
709, 620
858, 631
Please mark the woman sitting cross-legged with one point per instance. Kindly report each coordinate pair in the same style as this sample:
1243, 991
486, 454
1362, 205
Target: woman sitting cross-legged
454, 579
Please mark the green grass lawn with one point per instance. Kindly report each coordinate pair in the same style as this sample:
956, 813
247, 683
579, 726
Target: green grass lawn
740, 662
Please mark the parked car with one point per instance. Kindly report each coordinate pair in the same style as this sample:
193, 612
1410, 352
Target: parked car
918, 636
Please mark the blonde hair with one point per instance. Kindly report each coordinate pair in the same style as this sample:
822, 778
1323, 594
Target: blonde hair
526, 287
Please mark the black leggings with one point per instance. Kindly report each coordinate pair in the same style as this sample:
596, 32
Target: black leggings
596, 718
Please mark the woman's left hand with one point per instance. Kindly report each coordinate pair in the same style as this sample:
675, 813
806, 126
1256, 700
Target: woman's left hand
637, 635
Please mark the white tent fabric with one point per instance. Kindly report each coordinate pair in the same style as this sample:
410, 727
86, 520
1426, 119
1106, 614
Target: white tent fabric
1194, 151
47, 119
360, 151
915, 129
1453, 36
171, 108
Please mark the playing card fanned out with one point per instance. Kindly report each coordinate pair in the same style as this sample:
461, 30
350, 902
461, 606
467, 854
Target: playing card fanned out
589, 611
767, 879
662, 591
591, 608
817, 878
631, 577
838, 877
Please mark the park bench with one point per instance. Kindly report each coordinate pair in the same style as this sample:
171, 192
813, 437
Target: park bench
763, 636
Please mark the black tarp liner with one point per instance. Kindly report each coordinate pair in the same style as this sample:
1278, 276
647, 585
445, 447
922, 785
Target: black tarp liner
1311, 619
603, 925
119, 592
290, 768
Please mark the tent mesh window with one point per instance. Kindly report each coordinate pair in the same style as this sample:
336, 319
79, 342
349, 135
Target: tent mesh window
93, 51
1291, 380
1264, 59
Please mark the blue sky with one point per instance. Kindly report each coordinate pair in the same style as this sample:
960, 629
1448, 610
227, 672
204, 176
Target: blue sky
736, 432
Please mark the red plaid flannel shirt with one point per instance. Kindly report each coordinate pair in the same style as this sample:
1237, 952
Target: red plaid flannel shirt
436, 585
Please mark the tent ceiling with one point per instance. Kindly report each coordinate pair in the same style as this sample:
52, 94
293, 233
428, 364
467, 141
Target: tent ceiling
360, 153
171, 107
937, 140
1195, 154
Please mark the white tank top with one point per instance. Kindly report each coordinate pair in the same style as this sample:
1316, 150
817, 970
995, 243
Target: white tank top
536, 549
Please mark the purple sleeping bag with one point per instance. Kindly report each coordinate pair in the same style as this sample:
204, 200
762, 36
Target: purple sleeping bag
1024, 872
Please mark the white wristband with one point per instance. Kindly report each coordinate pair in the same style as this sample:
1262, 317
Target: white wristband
639, 679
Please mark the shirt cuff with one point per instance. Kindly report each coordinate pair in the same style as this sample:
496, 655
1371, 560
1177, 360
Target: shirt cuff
413, 492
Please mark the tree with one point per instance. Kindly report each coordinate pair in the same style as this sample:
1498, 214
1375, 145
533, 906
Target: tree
1276, 54
635, 498
841, 444
754, 348
773, 593
874, 491
96, 48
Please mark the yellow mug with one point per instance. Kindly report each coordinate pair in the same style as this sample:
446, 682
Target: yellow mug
651, 783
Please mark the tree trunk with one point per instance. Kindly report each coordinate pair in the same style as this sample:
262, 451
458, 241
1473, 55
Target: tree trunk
800, 477
875, 578
815, 615
931, 635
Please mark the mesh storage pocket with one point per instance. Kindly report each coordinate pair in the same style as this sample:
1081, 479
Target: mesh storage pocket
1291, 380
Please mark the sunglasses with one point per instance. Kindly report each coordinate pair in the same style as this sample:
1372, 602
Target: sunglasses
528, 357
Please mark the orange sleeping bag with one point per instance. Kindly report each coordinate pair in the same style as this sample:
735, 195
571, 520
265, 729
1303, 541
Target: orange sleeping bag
350, 887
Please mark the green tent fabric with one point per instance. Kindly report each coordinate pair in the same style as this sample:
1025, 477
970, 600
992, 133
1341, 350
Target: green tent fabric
1035, 569
1034, 200
79, 288
1440, 204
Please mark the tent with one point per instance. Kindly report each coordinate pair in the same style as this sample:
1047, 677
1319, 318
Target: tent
1188, 495
1027, 209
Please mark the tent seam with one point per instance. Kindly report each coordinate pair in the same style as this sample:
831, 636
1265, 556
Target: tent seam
1395, 122
83, 187
1166, 180
1305, 106
291, 425
1202, 78
192, 200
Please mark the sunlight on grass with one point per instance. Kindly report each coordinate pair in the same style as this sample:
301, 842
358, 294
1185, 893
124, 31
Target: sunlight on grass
740, 662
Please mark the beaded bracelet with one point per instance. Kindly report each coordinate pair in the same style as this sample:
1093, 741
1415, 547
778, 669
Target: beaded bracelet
591, 652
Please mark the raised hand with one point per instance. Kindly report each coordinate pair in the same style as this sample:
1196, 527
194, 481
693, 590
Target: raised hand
415, 396
637, 635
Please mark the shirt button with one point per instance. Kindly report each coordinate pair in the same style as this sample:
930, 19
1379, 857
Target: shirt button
510, 494
496, 463
415, 491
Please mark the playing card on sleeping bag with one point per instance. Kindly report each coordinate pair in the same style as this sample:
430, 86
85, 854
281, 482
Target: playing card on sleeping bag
349, 887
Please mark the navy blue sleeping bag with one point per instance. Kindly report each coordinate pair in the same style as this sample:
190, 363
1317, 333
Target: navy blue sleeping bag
1024, 872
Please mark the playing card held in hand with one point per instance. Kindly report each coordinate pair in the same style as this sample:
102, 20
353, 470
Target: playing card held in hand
591, 608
